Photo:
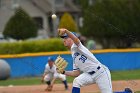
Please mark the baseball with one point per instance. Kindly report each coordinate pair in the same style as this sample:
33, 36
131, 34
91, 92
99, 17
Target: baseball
54, 16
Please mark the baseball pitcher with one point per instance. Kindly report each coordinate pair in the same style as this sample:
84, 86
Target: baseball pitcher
85, 61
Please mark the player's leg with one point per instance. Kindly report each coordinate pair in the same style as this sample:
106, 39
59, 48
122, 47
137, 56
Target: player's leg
64, 81
47, 80
81, 80
104, 81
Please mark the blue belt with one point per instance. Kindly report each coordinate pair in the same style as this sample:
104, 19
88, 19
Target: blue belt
93, 72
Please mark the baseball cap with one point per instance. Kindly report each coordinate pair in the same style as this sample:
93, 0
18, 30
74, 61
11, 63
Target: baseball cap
66, 35
50, 59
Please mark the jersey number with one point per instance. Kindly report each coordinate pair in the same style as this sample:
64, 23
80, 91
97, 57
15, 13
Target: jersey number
83, 58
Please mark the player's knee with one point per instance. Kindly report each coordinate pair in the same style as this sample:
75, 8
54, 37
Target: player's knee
63, 78
76, 83
46, 80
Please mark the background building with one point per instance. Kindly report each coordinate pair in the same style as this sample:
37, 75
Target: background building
40, 11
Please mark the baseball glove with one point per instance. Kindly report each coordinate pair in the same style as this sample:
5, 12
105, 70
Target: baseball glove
61, 64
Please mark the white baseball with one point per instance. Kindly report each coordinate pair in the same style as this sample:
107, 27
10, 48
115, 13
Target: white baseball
54, 16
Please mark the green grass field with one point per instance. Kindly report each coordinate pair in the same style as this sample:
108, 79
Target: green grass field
125, 75
137, 92
116, 75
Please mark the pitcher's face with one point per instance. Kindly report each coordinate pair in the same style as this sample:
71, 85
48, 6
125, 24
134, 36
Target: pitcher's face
67, 42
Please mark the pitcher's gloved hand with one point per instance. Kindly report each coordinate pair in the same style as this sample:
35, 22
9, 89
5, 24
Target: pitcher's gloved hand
61, 64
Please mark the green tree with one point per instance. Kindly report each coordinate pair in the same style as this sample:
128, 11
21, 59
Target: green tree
113, 22
20, 26
68, 22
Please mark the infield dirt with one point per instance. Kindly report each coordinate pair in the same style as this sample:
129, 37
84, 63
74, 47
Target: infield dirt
59, 88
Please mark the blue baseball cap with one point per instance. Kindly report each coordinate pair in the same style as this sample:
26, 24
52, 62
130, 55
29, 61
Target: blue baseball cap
50, 59
66, 36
